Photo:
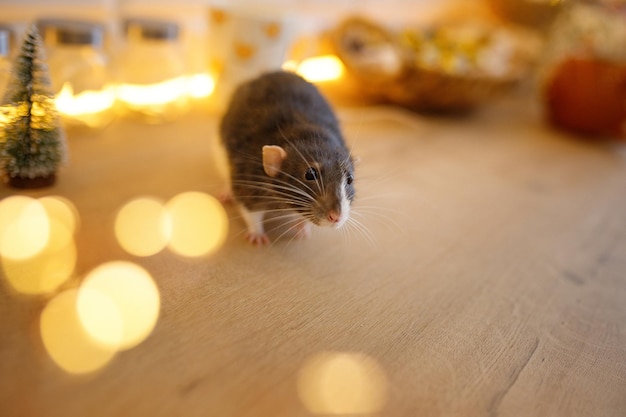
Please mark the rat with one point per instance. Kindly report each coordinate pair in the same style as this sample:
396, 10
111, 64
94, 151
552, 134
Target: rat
286, 154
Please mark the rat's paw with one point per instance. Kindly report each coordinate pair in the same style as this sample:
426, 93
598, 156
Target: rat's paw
257, 239
226, 197
303, 230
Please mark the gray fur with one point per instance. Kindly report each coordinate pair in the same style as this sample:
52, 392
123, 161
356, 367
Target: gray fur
282, 109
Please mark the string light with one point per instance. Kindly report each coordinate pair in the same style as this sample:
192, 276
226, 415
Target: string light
91, 107
157, 94
317, 69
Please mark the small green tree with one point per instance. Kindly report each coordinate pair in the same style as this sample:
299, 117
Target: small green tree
32, 140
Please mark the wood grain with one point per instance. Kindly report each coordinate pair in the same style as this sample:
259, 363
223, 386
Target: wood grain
493, 282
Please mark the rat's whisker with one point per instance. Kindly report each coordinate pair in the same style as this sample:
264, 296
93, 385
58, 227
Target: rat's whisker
282, 190
282, 221
377, 210
264, 180
284, 213
292, 225
275, 201
363, 231
357, 224
320, 186
299, 181
388, 215
343, 231
286, 185
280, 205
306, 161
290, 214
319, 180
275, 180
297, 223
282, 216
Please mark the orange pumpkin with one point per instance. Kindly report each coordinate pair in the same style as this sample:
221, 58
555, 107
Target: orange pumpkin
588, 96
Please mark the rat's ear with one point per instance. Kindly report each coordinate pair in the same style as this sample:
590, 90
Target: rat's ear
273, 157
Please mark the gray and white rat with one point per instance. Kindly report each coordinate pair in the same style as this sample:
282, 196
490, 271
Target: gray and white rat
286, 154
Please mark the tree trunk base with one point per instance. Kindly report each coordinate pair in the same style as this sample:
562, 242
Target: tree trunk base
38, 182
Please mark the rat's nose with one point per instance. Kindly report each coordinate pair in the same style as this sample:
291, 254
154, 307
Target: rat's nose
333, 216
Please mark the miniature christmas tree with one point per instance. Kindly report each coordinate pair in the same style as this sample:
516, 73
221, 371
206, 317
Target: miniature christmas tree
32, 141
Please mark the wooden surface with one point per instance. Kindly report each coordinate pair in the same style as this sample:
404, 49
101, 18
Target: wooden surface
494, 283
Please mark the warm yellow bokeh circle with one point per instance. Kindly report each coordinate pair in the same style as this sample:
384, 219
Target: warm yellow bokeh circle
63, 211
143, 227
24, 227
42, 273
66, 340
199, 224
191, 224
38, 249
342, 383
119, 294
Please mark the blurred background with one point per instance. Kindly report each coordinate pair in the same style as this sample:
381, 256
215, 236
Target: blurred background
154, 61
158, 59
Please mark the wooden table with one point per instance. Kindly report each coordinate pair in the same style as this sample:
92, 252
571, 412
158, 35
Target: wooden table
493, 281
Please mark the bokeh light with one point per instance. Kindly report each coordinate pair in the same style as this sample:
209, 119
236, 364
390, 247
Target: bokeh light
117, 292
44, 272
85, 104
63, 211
317, 69
162, 93
191, 224
142, 227
342, 383
53, 263
65, 339
24, 227
200, 85
100, 317
199, 224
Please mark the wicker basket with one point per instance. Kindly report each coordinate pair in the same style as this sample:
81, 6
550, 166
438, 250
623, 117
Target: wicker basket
387, 67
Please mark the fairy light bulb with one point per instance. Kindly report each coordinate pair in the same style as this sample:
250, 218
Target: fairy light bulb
79, 71
153, 83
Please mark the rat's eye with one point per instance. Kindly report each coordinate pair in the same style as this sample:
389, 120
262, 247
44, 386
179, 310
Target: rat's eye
311, 174
349, 179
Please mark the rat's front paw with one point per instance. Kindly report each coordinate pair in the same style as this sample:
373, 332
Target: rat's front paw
226, 196
257, 239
